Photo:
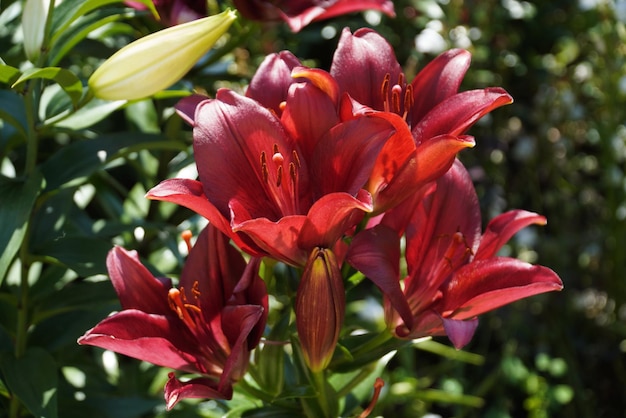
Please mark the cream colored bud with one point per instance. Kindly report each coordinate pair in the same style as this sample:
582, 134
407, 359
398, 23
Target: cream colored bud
34, 16
155, 62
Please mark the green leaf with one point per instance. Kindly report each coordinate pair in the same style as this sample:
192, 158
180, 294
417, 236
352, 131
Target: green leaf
85, 255
70, 10
33, 379
8, 74
18, 198
88, 115
83, 158
65, 78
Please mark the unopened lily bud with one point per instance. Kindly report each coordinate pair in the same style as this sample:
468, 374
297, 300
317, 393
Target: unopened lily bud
320, 308
155, 62
34, 16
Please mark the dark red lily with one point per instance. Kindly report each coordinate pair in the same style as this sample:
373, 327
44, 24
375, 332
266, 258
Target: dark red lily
175, 12
299, 13
436, 114
279, 179
207, 326
454, 274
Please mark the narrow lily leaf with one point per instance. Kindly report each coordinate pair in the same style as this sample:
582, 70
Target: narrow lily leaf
68, 11
18, 198
65, 78
8, 74
33, 379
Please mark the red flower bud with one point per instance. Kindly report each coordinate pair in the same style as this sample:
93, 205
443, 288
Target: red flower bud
320, 308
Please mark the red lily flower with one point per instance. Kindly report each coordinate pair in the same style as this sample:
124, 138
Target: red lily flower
208, 325
280, 180
299, 13
435, 113
454, 274
175, 12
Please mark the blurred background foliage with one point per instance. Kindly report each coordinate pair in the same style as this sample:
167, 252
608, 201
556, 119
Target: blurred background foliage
559, 150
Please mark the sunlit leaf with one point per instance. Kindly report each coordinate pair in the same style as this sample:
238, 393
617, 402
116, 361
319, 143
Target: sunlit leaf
65, 78
68, 11
8, 74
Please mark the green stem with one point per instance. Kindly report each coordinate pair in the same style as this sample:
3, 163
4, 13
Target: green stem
319, 379
31, 139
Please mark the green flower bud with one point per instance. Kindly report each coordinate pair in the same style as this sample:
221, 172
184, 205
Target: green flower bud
155, 62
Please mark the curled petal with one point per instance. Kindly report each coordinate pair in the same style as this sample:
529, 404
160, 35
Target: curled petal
320, 79
429, 161
501, 228
455, 115
438, 80
156, 339
190, 194
201, 388
485, 285
460, 332
331, 217
278, 239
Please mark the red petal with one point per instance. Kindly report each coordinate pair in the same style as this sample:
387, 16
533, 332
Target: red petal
156, 339
460, 332
331, 217
376, 253
190, 194
271, 82
308, 115
230, 135
201, 388
237, 323
458, 113
437, 81
360, 64
345, 156
216, 267
501, 228
298, 15
430, 160
277, 239
136, 287
186, 107
485, 285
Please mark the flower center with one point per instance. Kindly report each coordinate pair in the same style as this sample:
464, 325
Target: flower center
281, 180
189, 313
397, 98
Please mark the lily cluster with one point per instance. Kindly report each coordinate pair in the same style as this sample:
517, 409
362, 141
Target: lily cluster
324, 171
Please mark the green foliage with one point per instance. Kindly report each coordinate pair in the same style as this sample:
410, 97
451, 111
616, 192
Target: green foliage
74, 172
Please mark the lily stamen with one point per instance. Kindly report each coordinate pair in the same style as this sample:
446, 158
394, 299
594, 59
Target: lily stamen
178, 304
